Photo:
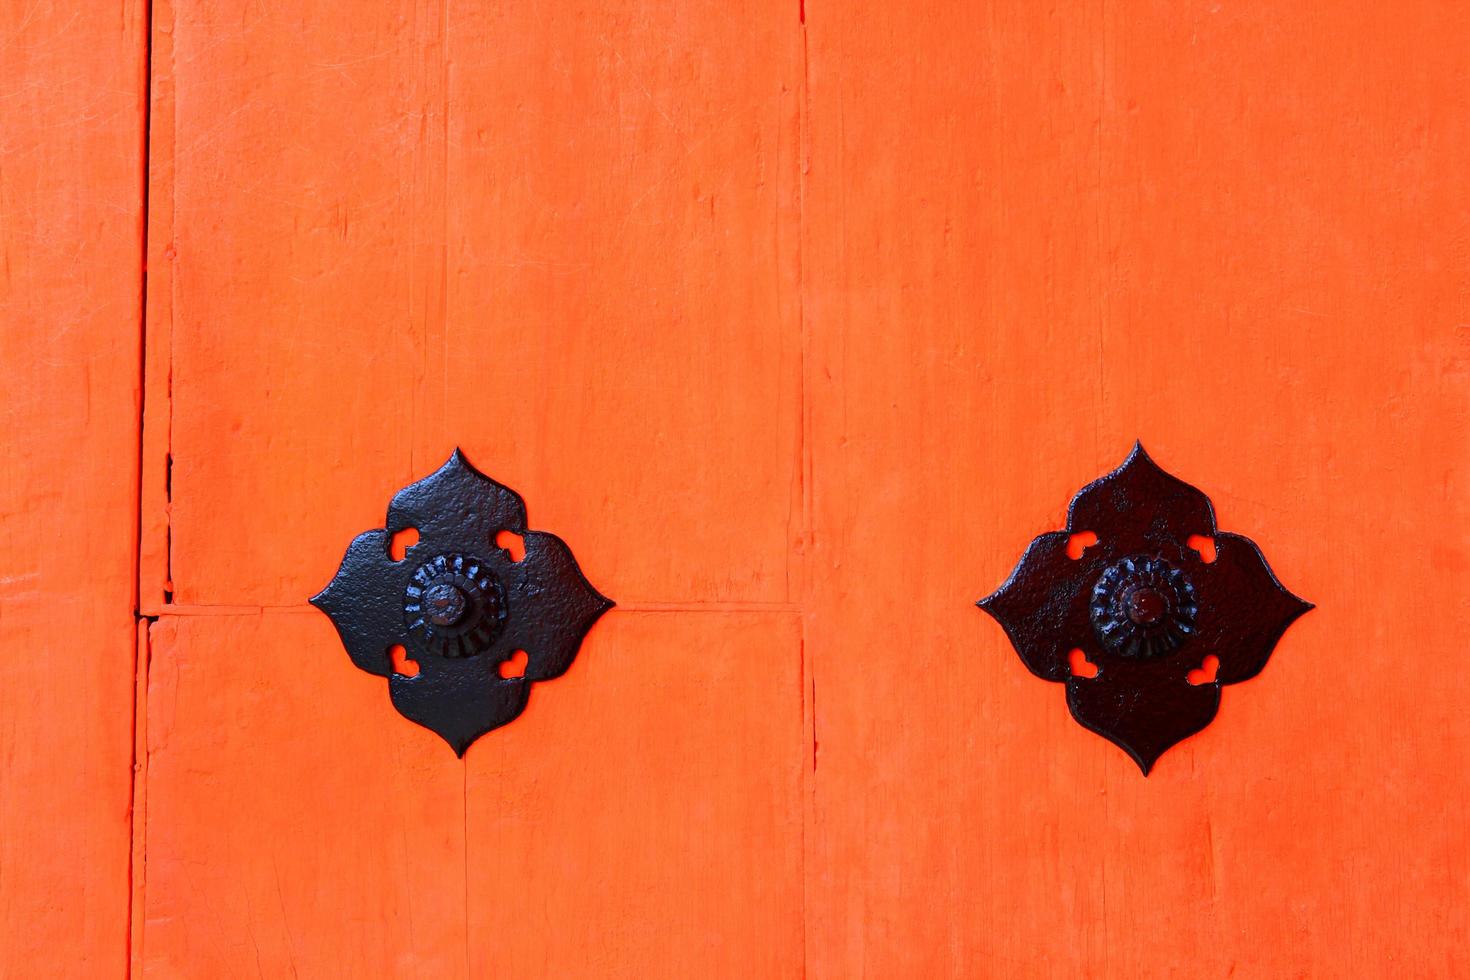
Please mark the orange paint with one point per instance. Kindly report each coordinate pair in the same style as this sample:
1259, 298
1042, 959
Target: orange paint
376, 232
796, 322
1032, 234
72, 101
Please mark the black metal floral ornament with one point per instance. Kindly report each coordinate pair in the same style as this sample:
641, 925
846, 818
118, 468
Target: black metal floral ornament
460, 604
1144, 607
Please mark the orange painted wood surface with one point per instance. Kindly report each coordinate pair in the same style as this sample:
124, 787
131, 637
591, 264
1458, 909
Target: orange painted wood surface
72, 109
376, 233
381, 230
643, 815
797, 321
1238, 232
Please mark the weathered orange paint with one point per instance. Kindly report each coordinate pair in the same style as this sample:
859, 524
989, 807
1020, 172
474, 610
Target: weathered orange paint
72, 105
796, 321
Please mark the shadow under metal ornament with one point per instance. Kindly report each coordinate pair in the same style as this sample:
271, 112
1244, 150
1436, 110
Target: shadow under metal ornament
460, 604
1144, 607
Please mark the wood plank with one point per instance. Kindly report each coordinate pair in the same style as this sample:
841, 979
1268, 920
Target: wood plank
71, 140
633, 822
385, 231
296, 824
646, 819
1033, 234
394, 228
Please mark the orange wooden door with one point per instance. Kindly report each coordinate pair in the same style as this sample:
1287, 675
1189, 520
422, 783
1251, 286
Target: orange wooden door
797, 321
378, 231
1031, 234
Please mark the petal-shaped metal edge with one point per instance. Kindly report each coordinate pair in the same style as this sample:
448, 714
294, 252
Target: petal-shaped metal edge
365, 602
1139, 507
552, 606
457, 506
1044, 590
1140, 710
1243, 610
459, 699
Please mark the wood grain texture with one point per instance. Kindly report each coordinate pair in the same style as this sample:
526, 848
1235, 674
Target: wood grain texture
384, 229
563, 237
1239, 233
635, 821
71, 185
797, 322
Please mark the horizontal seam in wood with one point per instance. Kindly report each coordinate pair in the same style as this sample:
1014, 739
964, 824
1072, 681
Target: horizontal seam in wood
182, 609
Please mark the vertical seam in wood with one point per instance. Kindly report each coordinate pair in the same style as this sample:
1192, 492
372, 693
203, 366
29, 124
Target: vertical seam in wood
138, 762
137, 853
464, 770
441, 414
1100, 230
808, 693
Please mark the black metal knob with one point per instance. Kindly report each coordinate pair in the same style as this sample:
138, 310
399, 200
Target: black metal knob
444, 604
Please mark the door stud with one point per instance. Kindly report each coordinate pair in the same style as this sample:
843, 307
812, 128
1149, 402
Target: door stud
460, 604
1152, 595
